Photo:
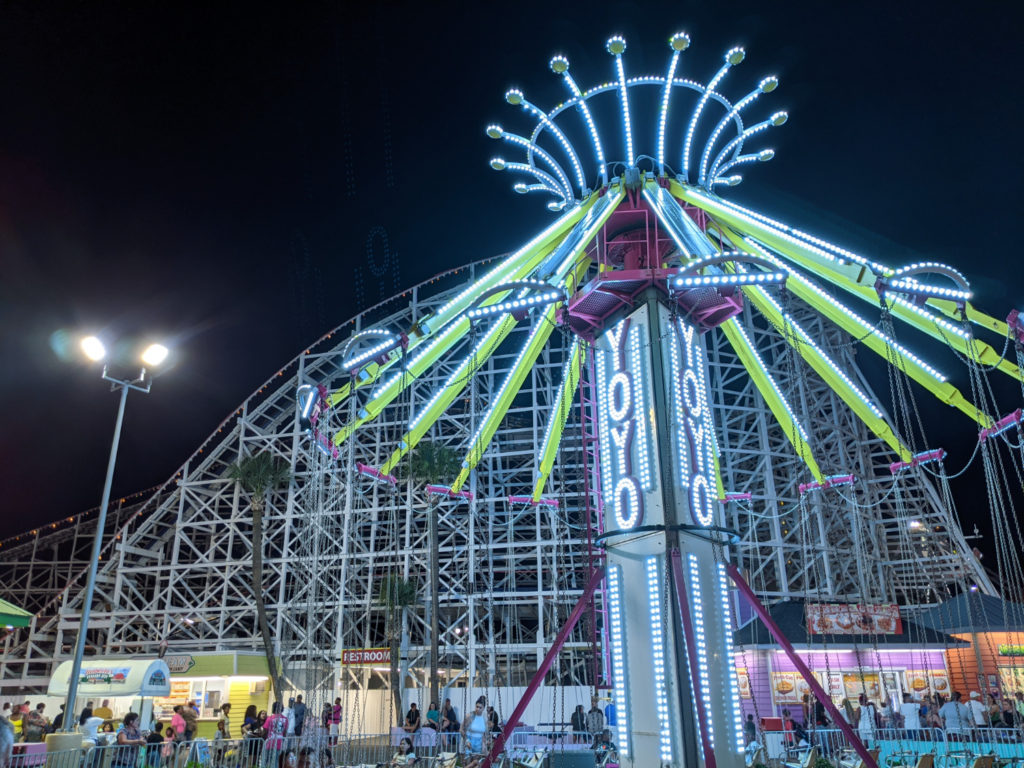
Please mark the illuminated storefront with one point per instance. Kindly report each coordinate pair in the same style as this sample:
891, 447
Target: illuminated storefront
878, 665
994, 631
212, 680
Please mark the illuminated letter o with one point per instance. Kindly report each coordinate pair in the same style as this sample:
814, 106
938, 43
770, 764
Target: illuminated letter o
692, 394
701, 501
620, 396
627, 502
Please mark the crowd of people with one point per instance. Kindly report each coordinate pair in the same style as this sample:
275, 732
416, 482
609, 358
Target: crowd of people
958, 719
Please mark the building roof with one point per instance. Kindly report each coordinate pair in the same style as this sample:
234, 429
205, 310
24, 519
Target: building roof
791, 620
974, 612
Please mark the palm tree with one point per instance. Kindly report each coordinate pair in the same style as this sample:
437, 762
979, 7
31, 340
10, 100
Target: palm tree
257, 475
431, 463
396, 594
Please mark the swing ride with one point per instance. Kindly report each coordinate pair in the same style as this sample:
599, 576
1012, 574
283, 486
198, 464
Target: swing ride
660, 434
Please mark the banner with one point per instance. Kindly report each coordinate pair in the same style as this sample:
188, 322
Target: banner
853, 619
106, 675
365, 657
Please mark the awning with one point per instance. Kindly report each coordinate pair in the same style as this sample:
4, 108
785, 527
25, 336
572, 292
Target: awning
114, 677
13, 616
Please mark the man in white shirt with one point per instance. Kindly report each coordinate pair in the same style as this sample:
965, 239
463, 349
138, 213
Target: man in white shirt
956, 717
978, 710
910, 710
289, 713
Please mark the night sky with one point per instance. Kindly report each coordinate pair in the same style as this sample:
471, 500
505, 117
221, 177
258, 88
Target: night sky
217, 178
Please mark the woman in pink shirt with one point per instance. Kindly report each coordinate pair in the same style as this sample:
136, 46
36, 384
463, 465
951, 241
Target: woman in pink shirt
178, 724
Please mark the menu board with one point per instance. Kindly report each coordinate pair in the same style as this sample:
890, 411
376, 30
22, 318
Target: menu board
181, 691
855, 683
917, 682
743, 678
788, 687
853, 619
939, 681
832, 682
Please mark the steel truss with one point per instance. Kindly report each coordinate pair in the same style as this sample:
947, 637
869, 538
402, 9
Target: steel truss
176, 569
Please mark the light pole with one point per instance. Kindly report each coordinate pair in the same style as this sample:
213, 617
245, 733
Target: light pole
94, 349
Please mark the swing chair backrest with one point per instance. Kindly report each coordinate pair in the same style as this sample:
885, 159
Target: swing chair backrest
983, 761
927, 760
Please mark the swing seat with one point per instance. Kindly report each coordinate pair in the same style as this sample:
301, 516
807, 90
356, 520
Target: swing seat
445, 760
859, 763
809, 759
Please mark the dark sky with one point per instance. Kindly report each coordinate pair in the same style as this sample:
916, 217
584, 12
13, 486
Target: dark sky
213, 177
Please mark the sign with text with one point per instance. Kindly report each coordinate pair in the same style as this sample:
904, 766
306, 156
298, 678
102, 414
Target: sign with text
179, 664
108, 675
854, 619
365, 657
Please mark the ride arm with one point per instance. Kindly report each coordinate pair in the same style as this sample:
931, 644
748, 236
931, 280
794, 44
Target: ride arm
755, 366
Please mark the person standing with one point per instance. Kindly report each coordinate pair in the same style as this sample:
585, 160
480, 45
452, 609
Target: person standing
866, 718
578, 723
6, 739
35, 724
336, 717
104, 710
276, 728
178, 723
188, 714
289, 714
58, 721
474, 729
225, 710
910, 711
750, 730
979, 715
595, 721
300, 714
956, 718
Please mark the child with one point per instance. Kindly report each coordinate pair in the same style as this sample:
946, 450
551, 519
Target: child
218, 741
153, 741
167, 750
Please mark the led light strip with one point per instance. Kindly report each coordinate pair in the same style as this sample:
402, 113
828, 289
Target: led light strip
683, 447
556, 409
597, 216
934, 265
614, 48
413, 362
543, 155
511, 305
547, 179
911, 285
732, 53
639, 411
763, 156
457, 375
797, 237
700, 635
805, 338
617, 641
557, 133
354, 362
922, 312
736, 278
776, 119
581, 102
658, 658
933, 372
697, 470
540, 326
498, 274
771, 381
663, 113
765, 86
732, 679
